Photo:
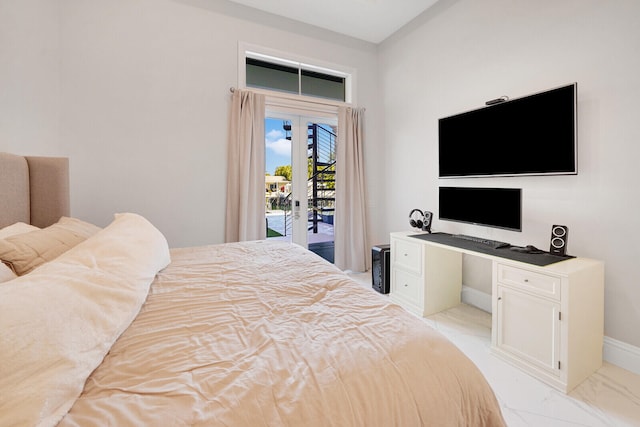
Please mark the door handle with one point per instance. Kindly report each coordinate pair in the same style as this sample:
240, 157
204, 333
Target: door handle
296, 209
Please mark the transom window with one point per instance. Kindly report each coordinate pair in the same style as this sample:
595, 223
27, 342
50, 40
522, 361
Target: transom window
282, 75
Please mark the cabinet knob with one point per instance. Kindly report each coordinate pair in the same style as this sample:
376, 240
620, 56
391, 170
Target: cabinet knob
526, 280
406, 285
499, 298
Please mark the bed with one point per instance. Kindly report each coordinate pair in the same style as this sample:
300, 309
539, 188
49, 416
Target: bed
117, 329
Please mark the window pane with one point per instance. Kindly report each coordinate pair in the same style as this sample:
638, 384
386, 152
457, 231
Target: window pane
322, 85
265, 75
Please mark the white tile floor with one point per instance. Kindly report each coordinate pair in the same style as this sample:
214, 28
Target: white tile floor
610, 397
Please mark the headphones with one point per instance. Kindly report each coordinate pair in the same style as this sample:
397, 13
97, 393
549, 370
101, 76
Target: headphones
423, 221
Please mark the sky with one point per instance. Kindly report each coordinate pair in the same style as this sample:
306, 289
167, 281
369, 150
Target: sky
278, 147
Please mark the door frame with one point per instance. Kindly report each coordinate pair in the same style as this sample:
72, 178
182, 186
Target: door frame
299, 118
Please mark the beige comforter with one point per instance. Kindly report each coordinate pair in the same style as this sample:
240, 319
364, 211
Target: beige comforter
268, 334
58, 322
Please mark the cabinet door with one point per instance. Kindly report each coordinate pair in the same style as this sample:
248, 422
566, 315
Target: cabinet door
529, 328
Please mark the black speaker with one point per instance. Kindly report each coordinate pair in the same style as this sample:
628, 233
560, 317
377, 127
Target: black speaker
381, 268
559, 235
426, 224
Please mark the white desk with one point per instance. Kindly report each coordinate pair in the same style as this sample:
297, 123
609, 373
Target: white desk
547, 320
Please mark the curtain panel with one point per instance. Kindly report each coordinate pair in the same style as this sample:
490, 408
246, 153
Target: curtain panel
350, 227
245, 213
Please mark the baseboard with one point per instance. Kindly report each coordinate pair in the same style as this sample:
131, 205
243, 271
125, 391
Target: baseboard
476, 298
615, 352
622, 354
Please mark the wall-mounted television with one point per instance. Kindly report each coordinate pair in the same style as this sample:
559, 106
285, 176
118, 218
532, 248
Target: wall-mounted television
492, 207
532, 135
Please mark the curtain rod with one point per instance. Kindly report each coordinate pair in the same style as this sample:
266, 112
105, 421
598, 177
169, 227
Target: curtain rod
233, 89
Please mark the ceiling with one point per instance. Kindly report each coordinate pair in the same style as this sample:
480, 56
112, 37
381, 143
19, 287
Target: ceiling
369, 20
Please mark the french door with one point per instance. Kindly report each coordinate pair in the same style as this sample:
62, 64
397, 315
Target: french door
300, 179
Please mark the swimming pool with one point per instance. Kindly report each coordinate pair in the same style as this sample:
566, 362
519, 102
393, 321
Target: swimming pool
275, 221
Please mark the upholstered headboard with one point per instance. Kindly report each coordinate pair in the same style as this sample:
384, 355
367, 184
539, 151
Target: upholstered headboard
34, 190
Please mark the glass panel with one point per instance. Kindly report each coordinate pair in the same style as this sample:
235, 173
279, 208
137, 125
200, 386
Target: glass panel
265, 75
321, 188
278, 179
323, 85
300, 164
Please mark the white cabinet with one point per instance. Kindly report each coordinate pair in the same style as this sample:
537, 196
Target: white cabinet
537, 345
549, 320
424, 279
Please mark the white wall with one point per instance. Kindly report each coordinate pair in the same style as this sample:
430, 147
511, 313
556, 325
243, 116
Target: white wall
463, 52
136, 94
29, 70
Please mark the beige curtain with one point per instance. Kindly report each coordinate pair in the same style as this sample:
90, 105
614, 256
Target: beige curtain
245, 218
350, 228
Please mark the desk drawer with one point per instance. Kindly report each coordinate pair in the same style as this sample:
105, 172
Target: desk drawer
537, 283
407, 255
408, 286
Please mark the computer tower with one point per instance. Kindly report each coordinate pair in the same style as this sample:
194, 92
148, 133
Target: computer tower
381, 268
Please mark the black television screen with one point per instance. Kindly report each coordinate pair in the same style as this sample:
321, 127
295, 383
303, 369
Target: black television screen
493, 207
532, 135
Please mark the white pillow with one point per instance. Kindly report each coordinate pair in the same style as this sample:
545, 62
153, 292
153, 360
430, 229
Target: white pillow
6, 273
17, 228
